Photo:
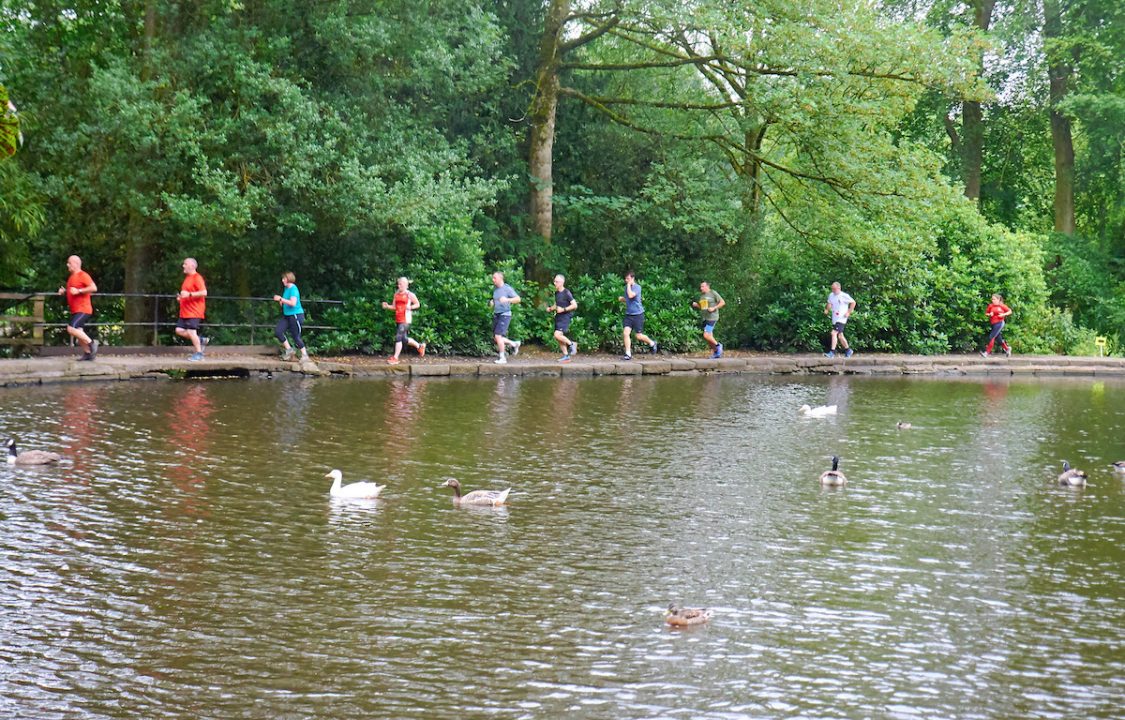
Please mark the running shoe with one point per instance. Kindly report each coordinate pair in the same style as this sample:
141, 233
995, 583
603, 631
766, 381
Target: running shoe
393, 361
195, 357
573, 349
626, 357
848, 353
718, 351
94, 344
516, 347
655, 348
86, 357
565, 358
203, 342
985, 354
501, 360
287, 354
830, 354
1007, 351
422, 350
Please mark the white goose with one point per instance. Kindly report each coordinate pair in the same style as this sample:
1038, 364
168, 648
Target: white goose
819, 411
366, 490
30, 457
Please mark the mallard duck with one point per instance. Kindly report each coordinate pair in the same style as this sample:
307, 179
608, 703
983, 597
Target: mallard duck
30, 457
1119, 466
685, 617
494, 498
819, 411
1071, 476
366, 490
833, 477
904, 426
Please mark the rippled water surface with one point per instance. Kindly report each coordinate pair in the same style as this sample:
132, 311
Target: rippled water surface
185, 559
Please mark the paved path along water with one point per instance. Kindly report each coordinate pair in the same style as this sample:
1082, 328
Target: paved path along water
128, 367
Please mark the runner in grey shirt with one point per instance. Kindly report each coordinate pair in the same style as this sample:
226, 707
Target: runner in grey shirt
503, 298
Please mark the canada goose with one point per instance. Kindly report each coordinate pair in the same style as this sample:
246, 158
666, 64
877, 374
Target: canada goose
30, 457
820, 411
1071, 476
685, 617
367, 490
833, 477
494, 498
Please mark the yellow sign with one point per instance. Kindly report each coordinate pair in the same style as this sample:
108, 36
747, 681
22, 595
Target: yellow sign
1100, 341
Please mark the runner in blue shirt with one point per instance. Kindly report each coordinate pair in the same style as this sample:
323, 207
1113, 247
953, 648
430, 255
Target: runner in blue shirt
634, 315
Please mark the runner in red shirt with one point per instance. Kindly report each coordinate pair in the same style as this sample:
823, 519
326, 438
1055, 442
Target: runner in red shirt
193, 305
78, 289
404, 305
996, 312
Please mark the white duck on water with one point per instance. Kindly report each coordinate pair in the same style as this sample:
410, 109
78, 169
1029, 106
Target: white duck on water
364, 490
495, 498
30, 457
819, 411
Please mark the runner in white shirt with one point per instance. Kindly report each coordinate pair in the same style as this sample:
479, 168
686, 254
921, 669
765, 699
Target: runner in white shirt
840, 306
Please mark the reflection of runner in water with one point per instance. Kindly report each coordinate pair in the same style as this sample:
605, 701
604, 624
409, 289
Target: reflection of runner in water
708, 305
563, 308
79, 287
404, 304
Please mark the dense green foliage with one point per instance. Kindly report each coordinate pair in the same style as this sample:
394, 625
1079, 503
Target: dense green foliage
768, 147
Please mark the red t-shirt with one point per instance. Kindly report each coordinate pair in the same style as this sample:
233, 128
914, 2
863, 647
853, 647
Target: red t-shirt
402, 303
996, 311
193, 307
79, 303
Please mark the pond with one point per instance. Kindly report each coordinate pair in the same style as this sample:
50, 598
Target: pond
185, 559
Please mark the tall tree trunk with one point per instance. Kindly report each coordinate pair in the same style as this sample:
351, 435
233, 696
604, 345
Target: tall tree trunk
1059, 71
972, 118
752, 173
543, 108
138, 243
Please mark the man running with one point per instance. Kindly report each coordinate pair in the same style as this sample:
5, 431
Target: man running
78, 289
708, 305
564, 308
193, 306
404, 304
503, 298
634, 320
840, 306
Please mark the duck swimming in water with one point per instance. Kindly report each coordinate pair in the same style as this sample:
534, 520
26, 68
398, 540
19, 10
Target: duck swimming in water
1071, 476
686, 617
833, 477
494, 498
30, 457
819, 411
904, 426
365, 490
1119, 466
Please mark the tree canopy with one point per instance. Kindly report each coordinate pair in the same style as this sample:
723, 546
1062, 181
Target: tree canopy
771, 147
